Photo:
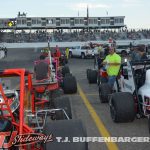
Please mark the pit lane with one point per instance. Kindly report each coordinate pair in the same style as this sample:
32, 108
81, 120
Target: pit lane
24, 58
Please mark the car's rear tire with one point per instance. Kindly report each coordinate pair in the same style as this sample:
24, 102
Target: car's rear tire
65, 128
122, 107
63, 103
149, 124
65, 70
104, 92
87, 73
92, 76
69, 85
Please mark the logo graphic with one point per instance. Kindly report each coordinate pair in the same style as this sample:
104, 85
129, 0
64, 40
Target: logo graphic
23, 139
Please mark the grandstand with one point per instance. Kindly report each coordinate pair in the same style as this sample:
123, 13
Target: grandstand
66, 29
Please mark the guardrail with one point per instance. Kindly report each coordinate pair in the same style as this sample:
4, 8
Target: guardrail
70, 44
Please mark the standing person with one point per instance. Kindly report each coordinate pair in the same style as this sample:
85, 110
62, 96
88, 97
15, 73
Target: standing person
113, 62
99, 49
142, 53
135, 56
5, 51
57, 52
106, 51
67, 53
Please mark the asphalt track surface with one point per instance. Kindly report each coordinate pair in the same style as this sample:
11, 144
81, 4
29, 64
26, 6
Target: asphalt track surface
86, 104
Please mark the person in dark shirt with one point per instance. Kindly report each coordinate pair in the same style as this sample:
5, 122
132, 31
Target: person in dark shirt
142, 53
134, 54
41, 69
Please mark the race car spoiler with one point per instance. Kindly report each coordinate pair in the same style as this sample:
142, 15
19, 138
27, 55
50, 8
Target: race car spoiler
142, 62
135, 63
13, 72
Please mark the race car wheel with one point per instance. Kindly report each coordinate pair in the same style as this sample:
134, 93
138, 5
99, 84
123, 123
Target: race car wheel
65, 70
104, 92
87, 73
149, 124
122, 107
69, 85
92, 76
63, 103
63, 129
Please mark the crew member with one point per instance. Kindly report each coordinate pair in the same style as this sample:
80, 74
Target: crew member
112, 62
135, 56
57, 52
142, 53
67, 53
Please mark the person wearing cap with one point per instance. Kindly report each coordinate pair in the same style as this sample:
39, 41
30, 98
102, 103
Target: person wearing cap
142, 53
134, 55
112, 62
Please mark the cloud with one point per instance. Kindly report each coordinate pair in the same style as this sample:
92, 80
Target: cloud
128, 3
82, 6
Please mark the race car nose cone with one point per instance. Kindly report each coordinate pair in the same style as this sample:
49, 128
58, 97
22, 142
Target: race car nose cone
147, 76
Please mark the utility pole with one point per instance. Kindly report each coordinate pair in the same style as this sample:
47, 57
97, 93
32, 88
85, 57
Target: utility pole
88, 21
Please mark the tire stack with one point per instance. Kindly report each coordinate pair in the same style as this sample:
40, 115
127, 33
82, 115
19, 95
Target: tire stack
69, 81
91, 76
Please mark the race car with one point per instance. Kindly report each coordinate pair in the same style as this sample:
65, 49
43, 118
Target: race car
131, 92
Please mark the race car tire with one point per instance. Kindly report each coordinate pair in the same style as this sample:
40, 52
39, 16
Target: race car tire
65, 128
65, 70
69, 85
104, 92
92, 76
87, 73
63, 103
149, 124
68, 74
122, 107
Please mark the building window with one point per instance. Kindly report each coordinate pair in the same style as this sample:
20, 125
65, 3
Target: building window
63, 21
81, 21
50, 21
38, 21
95, 21
91, 21
76, 21
23, 22
18, 21
107, 21
103, 21
67, 21
33, 21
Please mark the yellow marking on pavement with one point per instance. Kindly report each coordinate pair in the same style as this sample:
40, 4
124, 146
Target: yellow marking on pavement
92, 94
101, 128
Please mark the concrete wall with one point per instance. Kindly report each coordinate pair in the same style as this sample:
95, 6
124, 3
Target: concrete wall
70, 44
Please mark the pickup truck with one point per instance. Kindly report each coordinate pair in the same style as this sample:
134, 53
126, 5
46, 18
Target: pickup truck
81, 51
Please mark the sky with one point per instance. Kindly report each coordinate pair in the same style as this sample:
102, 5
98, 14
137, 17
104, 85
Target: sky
136, 12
